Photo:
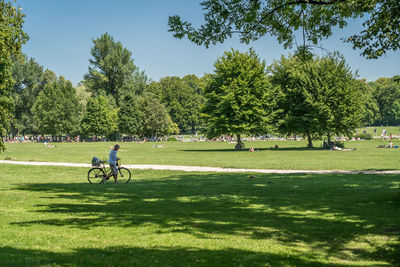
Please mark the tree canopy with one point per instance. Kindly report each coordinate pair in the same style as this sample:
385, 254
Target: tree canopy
28, 82
315, 19
112, 70
128, 116
100, 118
57, 109
319, 96
235, 96
154, 120
182, 97
386, 95
11, 39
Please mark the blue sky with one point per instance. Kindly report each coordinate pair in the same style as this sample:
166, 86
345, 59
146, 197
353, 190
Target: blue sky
61, 33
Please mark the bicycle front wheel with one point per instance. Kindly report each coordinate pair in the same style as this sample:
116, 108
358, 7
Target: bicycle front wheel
124, 175
95, 176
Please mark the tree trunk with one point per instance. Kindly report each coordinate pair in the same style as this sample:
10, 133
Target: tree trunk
239, 144
329, 139
310, 145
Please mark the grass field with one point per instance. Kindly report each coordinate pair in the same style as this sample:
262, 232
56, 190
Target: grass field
290, 155
395, 130
51, 216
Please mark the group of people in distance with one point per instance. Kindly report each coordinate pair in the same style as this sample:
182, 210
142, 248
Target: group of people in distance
390, 145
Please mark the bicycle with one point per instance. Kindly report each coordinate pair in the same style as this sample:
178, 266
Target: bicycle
98, 174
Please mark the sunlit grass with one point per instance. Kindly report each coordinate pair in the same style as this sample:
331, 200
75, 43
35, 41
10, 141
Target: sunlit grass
290, 155
52, 216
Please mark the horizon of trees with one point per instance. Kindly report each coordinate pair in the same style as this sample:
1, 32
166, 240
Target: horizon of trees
298, 94
50, 105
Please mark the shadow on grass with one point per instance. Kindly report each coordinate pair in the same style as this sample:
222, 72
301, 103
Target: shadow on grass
382, 169
324, 211
257, 149
157, 256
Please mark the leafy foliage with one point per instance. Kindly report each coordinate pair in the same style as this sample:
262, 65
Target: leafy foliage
128, 116
364, 136
316, 97
57, 109
100, 119
112, 70
252, 19
28, 77
82, 94
154, 119
371, 109
11, 39
182, 97
236, 96
386, 92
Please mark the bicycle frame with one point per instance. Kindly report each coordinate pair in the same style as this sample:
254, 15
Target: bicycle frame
107, 170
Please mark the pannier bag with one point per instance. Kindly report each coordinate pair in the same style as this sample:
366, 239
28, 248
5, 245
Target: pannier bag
96, 161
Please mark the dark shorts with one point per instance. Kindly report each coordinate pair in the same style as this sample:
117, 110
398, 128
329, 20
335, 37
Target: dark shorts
114, 169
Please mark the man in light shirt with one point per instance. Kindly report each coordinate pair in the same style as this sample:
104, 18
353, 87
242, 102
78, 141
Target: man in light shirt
112, 160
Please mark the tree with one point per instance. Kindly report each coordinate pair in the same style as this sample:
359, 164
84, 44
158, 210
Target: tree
193, 108
57, 109
100, 118
28, 77
154, 119
387, 96
235, 97
82, 94
319, 96
252, 19
11, 39
112, 71
182, 97
371, 109
128, 116
342, 96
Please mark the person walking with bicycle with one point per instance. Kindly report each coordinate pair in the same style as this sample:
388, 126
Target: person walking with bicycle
100, 174
112, 160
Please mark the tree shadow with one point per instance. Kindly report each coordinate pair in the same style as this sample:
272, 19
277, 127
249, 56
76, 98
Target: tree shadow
380, 169
155, 256
257, 149
324, 211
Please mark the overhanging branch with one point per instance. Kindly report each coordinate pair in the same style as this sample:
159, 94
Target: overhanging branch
298, 2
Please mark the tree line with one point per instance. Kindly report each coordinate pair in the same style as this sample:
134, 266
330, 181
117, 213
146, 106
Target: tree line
300, 94
114, 98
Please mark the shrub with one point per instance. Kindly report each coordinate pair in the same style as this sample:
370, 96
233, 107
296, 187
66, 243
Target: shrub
364, 136
171, 138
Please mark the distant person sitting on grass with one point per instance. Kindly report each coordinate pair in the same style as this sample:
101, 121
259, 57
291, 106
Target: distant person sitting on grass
336, 148
342, 149
112, 160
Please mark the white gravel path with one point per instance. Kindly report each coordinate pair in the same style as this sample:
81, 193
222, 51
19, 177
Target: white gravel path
197, 168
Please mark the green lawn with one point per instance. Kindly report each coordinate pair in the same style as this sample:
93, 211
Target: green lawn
51, 216
290, 155
395, 130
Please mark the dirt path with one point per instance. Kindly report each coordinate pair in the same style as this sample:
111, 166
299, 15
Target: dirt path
196, 168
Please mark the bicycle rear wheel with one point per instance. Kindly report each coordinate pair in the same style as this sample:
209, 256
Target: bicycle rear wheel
95, 175
124, 175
